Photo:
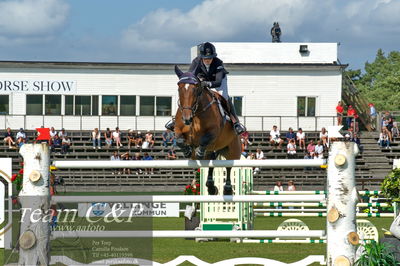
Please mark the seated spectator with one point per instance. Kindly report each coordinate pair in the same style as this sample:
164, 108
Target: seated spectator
96, 138
308, 156
384, 139
290, 135
108, 138
291, 186
8, 138
65, 145
301, 139
291, 149
147, 157
62, 133
56, 143
21, 137
117, 137
319, 150
138, 139
126, 157
274, 137
311, 148
278, 186
137, 157
131, 138
53, 133
171, 154
259, 154
115, 157
357, 140
168, 138
323, 136
148, 140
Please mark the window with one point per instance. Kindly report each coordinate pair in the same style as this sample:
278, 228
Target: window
52, 104
34, 104
306, 106
238, 104
4, 105
147, 105
109, 105
95, 105
82, 105
163, 105
69, 105
128, 105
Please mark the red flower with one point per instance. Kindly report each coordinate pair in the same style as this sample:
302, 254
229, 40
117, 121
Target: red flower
13, 177
188, 186
21, 163
197, 185
198, 170
21, 171
14, 201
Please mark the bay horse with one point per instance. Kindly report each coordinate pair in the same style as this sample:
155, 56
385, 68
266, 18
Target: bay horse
201, 131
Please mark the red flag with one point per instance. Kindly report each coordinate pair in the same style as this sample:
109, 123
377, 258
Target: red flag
43, 134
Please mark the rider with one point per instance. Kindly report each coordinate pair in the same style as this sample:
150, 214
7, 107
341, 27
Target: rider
210, 69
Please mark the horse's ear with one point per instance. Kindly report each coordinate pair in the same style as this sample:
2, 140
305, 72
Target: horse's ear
178, 71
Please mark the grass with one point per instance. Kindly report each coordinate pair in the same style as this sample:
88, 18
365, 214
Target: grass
163, 250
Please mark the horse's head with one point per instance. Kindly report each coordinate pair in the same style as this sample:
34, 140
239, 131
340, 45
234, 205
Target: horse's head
189, 92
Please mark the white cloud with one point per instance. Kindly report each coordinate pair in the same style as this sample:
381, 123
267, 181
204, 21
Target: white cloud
31, 18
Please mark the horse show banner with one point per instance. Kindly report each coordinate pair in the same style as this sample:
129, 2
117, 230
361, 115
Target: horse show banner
126, 209
30, 86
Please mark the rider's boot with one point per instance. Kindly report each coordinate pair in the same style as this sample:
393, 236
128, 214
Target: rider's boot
170, 125
237, 126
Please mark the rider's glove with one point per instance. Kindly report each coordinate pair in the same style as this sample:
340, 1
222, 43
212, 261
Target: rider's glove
205, 84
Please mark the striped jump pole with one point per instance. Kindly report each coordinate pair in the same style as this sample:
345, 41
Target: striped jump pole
289, 210
311, 204
318, 214
282, 241
310, 192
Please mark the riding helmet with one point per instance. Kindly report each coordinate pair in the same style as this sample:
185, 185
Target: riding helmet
207, 50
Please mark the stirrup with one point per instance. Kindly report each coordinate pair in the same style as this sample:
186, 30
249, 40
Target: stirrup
170, 125
239, 128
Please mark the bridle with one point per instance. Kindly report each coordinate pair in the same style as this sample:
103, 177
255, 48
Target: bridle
195, 105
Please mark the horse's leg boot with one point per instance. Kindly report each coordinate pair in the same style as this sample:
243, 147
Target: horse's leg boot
212, 189
200, 152
228, 188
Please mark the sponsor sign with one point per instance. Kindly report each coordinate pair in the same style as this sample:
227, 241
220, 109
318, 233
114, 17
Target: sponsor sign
28, 86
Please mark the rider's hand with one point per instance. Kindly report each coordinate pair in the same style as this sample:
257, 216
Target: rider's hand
205, 84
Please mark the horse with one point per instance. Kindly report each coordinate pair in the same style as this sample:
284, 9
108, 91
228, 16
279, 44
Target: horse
201, 131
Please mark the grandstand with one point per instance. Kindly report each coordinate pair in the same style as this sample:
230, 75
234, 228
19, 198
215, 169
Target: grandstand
372, 166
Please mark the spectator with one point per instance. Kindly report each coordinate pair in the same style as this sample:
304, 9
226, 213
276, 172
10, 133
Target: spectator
62, 134
53, 133
259, 154
244, 138
126, 157
274, 137
372, 114
115, 157
291, 149
384, 139
291, 186
339, 113
351, 116
171, 154
168, 138
108, 138
323, 136
148, 140
390, 120
147, 157
96, 138
139, 139
137, 157
56, 143
307, 156
65, 145
311, 148
290, 135
301, 139
319, 150
8, 138
131, 138
21, 137
356, 140
395, 130
117, 137
278, 186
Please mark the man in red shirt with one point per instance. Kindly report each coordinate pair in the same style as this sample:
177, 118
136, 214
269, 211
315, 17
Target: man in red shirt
351, 114
339, 113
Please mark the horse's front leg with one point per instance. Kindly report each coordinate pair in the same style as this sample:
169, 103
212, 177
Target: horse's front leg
186, 149
205, 140
212, 189
228, 184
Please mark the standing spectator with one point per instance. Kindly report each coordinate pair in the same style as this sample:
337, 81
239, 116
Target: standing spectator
339, 113
96, 138
291, 149
274, 137
290, 135
301, 139
56, 143
62, 133
21, 137
323, 136
139, 139
319, 150
108, 138
117, 137
115, 157
372, 114
147, 157
351, 115
311, 148
171, 154
131, 138
148, 140
384, 139
8, 138
276, 32
390, 120
168, 138
65, 145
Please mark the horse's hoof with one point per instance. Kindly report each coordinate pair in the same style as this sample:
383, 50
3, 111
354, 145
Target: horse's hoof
212, 190
228, 190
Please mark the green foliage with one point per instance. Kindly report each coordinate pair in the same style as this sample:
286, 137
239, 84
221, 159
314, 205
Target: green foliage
391, 185
376, 254
380, 83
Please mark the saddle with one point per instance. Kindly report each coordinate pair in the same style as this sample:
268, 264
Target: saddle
223, 105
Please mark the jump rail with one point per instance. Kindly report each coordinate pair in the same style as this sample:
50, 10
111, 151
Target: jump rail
281, 163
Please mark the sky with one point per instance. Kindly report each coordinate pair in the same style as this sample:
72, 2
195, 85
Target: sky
162, 31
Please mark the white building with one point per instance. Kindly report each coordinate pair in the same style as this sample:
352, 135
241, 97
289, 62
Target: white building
287, 84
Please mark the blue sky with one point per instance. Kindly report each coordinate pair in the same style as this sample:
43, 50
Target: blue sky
162, 31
